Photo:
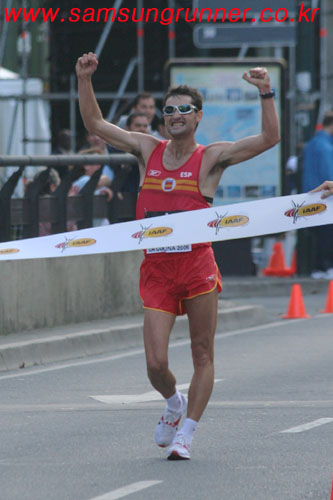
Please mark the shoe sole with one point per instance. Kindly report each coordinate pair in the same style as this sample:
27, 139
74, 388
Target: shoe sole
175, 456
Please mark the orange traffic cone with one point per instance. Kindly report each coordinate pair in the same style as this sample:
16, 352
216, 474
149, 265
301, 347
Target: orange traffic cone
277, 264
329, 299
296, 308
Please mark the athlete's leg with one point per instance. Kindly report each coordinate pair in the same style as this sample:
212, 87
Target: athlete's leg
156, 332
202, 314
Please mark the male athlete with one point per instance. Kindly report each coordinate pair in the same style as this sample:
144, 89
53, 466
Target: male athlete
178, 175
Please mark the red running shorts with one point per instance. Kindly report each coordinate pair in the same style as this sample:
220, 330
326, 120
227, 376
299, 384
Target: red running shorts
166, 279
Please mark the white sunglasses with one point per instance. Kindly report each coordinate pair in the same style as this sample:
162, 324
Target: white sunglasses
183, 109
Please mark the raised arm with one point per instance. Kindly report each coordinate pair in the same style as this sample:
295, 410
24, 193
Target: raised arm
230, 153
131, 142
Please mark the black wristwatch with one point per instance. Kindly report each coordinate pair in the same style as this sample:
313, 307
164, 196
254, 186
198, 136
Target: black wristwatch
268, 95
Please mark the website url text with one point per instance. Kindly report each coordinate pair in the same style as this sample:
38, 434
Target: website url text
164, 17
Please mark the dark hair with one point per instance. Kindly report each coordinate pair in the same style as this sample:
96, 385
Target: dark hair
328, 119
132, 117
159, 121
194, 94
64, 133
64, 138
51, 178
143, 95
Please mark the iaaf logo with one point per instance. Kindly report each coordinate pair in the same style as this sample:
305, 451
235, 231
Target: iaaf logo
223, 221
152, 232
301, 210
7, 251
74, 243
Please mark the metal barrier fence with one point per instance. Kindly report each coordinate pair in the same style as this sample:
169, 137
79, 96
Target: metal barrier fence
59, 208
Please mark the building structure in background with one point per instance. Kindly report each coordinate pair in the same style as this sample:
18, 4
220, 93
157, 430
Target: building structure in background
133, 57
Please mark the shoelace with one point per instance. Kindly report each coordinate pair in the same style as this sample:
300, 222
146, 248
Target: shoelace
183, 441
170, 417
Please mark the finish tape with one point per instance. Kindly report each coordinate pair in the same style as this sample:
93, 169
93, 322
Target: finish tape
173, 232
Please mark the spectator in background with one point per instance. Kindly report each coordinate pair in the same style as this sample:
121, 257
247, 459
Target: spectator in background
127, 178
102, 186
318, 156
318, 166
161, 131
291, 175
96, 142
47, 189
51, 184
136, 122
143, 103
63, 147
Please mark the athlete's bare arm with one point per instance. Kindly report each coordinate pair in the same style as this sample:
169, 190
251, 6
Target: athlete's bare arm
140, 145
220, 155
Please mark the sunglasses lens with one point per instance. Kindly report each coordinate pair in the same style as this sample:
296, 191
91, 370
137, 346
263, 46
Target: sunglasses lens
184, 109
169, 110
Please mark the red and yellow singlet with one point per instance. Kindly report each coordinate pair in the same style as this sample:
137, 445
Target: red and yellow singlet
167, 279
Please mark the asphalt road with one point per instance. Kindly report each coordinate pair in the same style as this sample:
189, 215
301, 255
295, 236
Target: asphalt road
83, 430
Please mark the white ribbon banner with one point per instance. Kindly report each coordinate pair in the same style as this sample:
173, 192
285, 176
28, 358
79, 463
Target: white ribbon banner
174, 231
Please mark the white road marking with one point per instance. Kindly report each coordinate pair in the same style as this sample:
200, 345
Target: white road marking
137, 398
28, 372
308, 426
73, 364
127, 490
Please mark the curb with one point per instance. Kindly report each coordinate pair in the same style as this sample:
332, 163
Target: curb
270, 287
96, 340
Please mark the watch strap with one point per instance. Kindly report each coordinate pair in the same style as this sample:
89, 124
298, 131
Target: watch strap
268, 95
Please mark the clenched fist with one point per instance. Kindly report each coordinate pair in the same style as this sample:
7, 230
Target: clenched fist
259, 77
86, 65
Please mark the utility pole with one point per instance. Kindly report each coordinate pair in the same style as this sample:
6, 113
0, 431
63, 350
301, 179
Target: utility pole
308, 97
24, 48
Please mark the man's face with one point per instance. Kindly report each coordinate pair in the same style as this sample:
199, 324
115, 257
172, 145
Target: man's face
139, 124
91, 169
146, 106
179, 125
96, 141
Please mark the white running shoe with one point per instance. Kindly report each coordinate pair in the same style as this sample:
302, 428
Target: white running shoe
180, 448
167, 427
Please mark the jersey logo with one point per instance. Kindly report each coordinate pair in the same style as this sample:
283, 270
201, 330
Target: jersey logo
154, 173
186, 174
168, 184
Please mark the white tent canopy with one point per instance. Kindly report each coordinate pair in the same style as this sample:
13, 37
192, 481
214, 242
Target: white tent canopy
6, 73
11, 122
